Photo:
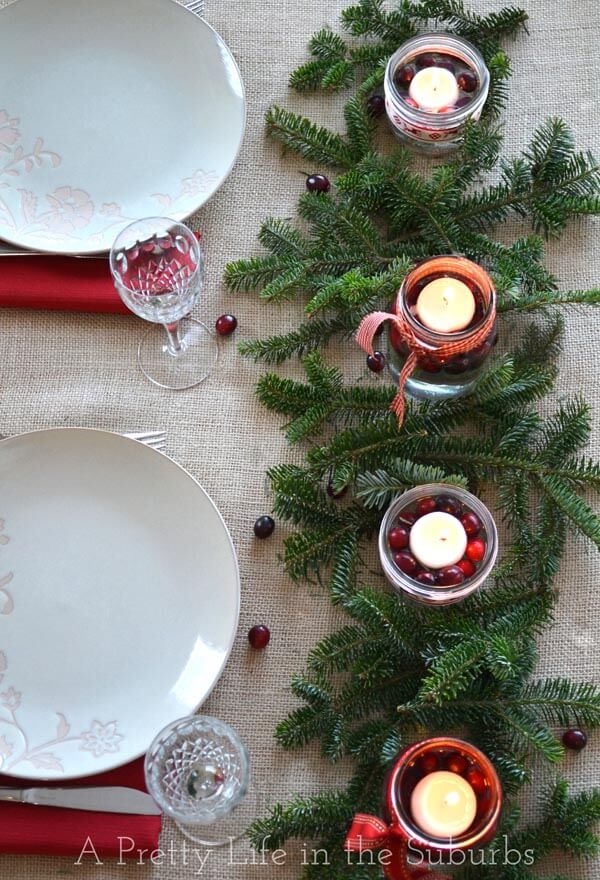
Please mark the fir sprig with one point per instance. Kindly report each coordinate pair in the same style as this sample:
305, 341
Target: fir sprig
395, 672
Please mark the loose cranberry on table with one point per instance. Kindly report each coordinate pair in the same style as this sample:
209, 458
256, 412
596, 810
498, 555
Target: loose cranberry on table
318, 183
376, 105
259, 637
264, 526
376, 361
574, 739
225, 324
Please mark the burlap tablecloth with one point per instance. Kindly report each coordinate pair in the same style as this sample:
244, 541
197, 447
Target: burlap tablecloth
63, 369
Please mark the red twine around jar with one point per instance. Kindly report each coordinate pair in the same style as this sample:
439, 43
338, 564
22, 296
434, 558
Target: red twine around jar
370, 325
370, 832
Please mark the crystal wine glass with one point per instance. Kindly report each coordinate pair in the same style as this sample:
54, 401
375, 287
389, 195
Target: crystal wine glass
158, 270
197, 771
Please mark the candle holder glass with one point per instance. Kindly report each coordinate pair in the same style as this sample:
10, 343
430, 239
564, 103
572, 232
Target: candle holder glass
428, 756
421, 586
435, 132
437, 377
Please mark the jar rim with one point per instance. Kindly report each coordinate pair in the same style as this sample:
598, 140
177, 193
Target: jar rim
399, 815
433, 595
430, 42
435, 337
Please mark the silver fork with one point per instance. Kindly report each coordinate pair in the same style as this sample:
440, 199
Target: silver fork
196, 6
154, 439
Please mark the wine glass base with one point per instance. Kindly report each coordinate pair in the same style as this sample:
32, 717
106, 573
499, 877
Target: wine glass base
225, 830
185, 370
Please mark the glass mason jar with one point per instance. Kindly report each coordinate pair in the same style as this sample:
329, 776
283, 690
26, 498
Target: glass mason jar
403, 512
425, 851
437, 377
435, 132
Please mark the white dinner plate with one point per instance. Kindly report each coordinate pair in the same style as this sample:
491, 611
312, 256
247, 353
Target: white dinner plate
110, 111
119, 600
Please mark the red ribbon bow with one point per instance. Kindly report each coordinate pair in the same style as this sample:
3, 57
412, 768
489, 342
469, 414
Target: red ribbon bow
369, 832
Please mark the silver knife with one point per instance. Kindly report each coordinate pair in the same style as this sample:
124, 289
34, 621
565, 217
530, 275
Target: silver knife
108, 799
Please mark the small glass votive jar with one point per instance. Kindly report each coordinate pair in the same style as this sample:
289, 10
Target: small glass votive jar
429, 111
413, 764
468, 531
438, 376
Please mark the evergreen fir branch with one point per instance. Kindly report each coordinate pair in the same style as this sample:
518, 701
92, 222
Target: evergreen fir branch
378, 489
544, 298
300, 135
393, 670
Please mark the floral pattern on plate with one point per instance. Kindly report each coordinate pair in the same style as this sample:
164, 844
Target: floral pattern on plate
67, 213
7, 605
16, 749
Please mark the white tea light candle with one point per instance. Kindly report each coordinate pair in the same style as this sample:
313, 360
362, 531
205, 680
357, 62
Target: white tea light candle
438, 539
434, 88
446, 305
443, 804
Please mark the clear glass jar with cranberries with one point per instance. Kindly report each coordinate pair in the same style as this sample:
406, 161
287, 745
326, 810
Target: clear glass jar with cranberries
438, 130
437, 377
453, 756
404, 564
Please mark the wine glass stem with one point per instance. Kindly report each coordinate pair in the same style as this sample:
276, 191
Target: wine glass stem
174, 343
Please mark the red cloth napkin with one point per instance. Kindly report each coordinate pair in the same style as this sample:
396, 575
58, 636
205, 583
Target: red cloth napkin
57, 832
67, 283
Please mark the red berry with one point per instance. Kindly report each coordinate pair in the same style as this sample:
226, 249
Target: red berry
475, 549
467, 567
407, 517
318, 183
471, 524
467, 81
574, 739
426, 60
426, 577
425, 506
376, 105
447, 63
404, 75
406, 562
458, 365
332, 493
225, 324
264, 526
476, 780
429, 364
450, 576
429, 762
376, 361
259, 637
456, 763
448, 504
462, 102
411, 103
398, 538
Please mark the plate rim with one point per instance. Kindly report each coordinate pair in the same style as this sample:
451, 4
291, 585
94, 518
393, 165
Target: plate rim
203, 198
67, 776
